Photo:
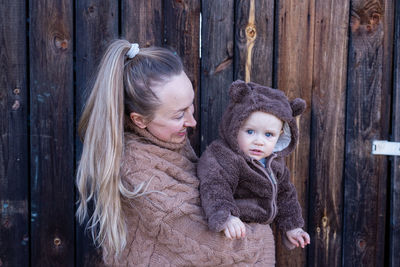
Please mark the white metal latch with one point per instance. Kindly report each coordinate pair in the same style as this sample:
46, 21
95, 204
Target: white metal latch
383, 147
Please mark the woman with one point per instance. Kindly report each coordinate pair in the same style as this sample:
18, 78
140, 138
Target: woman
140, 170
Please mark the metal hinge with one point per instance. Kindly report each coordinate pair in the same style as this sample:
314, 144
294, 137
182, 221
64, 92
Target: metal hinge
383, 147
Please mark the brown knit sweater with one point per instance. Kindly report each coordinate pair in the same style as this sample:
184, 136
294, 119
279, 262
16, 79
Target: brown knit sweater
167, 226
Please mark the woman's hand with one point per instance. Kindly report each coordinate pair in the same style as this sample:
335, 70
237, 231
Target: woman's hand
234, 228
298, 237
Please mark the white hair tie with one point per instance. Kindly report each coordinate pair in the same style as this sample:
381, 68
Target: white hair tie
133, 51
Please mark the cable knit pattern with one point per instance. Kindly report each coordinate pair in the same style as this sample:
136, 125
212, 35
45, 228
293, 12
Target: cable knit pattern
167, 227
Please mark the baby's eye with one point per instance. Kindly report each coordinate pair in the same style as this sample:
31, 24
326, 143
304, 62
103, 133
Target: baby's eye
250, 131
268, 134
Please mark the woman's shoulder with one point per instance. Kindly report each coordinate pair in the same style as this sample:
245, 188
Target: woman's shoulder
137, 148
138, 157
144, 159
134, 143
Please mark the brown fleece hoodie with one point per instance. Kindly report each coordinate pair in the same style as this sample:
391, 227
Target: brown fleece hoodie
231, 182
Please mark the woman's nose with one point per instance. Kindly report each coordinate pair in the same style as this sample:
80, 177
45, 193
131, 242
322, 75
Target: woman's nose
190, 121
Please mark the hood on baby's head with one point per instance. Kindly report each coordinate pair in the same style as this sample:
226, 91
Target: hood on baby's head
246, 98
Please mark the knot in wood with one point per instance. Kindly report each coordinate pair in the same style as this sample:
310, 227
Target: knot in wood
361, 244
60, 43
6, 224
365, 17
16, 105
16, 91
251, 32
181, 4
324, 221
92, 11
57, 241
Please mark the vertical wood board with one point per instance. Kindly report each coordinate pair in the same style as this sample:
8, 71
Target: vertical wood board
254, 32
96, 27
14, 217
295, 49
394, 223
216, 65
142, 22
51, 113
327, 132
367, 119
181, 33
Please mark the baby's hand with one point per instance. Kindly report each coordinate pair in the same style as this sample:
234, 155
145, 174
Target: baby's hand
234, 228
298, 237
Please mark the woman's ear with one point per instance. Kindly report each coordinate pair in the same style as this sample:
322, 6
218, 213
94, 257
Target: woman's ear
138, 120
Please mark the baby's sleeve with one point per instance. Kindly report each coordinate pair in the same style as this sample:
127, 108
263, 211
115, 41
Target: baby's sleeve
289, 211
217, 186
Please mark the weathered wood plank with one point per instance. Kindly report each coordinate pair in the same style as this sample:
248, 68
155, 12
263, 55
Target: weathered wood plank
327, 132
295, 26
14, 218
52, 124
368, 114
181, 32
254, 32
394, 230
387, 92
142, 22
96, 26
217, 47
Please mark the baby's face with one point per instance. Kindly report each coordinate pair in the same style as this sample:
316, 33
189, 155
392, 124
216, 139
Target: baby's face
258, 135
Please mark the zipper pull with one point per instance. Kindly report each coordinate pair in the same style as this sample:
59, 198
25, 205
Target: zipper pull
271, 174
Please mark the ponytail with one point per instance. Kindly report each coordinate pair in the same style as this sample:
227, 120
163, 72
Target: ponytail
123, 85
101, 129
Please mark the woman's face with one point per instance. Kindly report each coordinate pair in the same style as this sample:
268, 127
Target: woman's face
175, 113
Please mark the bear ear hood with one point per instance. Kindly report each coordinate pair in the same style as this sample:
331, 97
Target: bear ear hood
298, 106
246, 98
238, 90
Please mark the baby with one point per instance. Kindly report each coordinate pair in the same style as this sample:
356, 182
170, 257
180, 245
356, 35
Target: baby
242, 174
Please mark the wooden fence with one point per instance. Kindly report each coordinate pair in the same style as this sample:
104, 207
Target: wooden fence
342, 57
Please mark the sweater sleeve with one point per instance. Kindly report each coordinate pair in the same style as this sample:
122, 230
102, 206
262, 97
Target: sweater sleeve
217, 186
289, 211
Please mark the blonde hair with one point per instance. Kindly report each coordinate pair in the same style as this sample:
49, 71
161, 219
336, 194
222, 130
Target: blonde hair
122, 86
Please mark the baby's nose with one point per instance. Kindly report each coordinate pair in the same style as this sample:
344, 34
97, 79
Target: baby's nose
258, 142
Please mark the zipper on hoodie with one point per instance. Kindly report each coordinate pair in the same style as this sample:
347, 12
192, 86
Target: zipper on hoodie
271, 177
267, 170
